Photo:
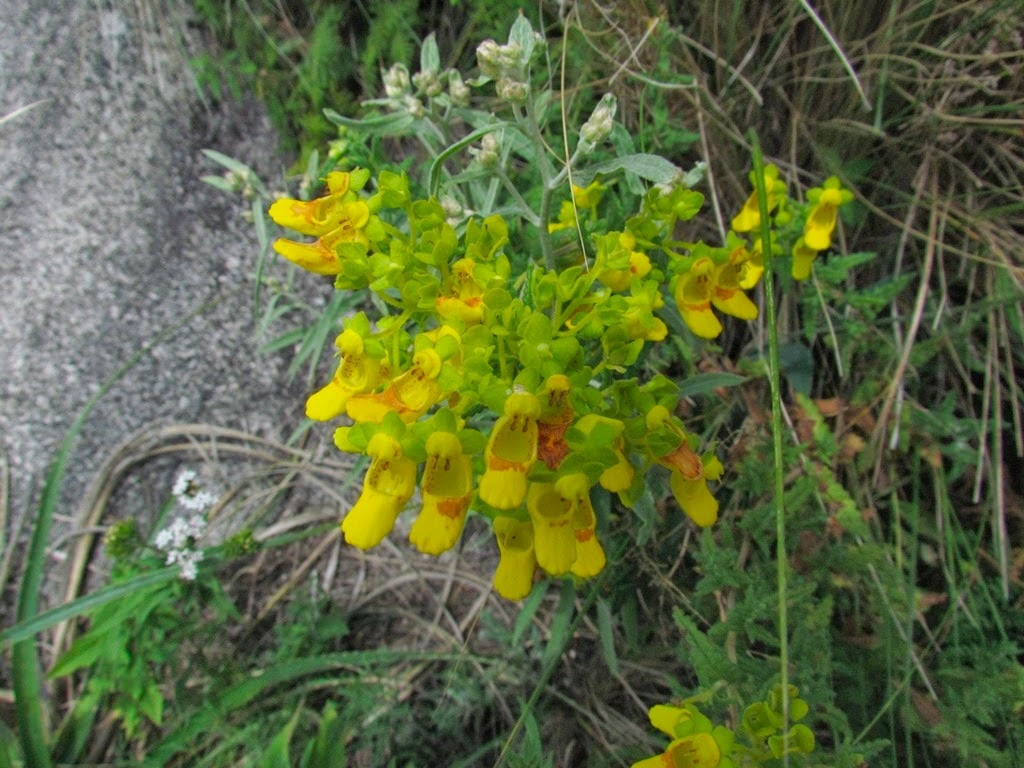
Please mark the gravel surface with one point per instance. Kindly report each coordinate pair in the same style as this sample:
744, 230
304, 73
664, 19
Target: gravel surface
111, 239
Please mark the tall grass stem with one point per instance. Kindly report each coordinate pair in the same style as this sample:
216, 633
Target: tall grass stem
774, 379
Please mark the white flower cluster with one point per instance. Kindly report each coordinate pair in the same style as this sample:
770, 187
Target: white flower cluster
178, 539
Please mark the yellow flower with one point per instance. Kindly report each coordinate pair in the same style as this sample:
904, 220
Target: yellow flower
388, 485
803, 259
409, 395
728, 296
821, 221
699, 750
749, 217
688, 479
754, 268
513, 578
695, 498
465, 299
590, 558
554, 540
357, 372
321, 256
619, 476
693, 298
511, 451
447, 488
314, 217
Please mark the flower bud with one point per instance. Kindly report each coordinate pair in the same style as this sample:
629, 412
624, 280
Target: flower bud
599, 126
457, 89
488, 55
512, 91
396, 81
414, 106
427, 82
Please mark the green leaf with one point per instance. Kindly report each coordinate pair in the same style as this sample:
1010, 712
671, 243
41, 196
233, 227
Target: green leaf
397, 124
797, 365
85, 651
430, 56
437, 166
559, 636
522, 33
151, 703
526, 614
708, 382
653, 168
606, 634
277, 754
328, 751
228, 162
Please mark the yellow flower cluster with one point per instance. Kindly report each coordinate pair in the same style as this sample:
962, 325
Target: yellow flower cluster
336, 218
696, 743
465, 394
819, 222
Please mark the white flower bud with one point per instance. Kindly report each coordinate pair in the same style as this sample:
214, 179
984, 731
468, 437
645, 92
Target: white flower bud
488, 55
457, 89
427, 82
512, 91
396, 81
600, 124
414, 106
488, 152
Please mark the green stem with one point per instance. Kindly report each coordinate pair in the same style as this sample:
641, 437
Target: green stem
781, 560
528, 123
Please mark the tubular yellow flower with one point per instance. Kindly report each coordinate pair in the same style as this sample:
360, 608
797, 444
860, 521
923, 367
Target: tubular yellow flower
357, 372
693, 299
590, 558
314, 217
749, 217
511, 451
513, 578
447, 488
754, 266
388, 485
728, 296
690, 486
554, 540
689, 478
803, 259
409, 395
321, 256
821, 221
699, 750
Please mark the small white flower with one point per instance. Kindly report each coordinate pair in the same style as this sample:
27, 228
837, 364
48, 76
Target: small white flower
163, 539
190, 560
184, 482
200, 501
195, 526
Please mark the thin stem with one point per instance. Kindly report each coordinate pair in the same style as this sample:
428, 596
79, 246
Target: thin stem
781, 560
532, 129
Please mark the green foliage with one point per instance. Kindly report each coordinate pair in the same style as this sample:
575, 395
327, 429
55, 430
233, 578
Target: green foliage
883, 583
